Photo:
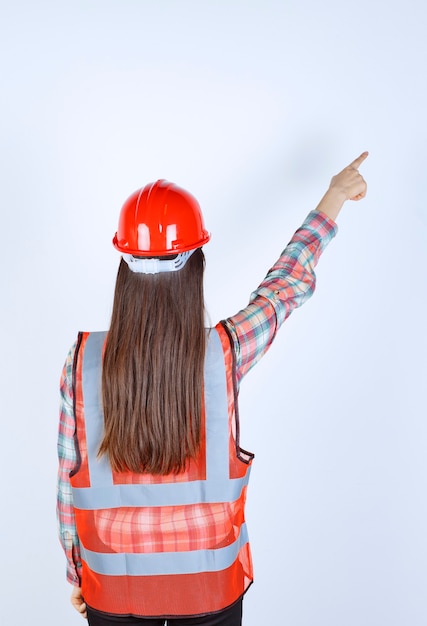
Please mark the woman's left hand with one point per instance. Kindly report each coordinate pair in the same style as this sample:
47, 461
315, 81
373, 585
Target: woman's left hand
78, 602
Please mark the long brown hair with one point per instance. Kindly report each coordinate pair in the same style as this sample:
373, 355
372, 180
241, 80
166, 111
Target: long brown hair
152, 376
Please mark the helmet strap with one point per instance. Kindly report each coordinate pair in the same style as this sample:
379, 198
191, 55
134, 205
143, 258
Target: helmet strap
154, 265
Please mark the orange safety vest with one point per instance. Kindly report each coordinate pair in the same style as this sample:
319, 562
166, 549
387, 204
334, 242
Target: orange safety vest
168, 546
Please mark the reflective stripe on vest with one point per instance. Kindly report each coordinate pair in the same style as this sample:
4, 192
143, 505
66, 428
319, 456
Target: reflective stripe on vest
166, 563
229, 563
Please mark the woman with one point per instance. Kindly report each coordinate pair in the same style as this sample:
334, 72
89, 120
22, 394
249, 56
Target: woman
152, 479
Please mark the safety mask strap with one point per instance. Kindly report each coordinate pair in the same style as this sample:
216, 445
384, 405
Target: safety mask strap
157, 266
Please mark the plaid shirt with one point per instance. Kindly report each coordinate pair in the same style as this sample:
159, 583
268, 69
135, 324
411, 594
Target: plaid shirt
288, 284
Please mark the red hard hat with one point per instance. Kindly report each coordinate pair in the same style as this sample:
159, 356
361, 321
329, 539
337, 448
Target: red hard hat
160, 219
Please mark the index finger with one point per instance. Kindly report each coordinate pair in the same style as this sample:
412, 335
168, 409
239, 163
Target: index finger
358, 162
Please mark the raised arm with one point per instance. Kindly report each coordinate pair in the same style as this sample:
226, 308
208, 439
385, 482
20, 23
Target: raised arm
291, 280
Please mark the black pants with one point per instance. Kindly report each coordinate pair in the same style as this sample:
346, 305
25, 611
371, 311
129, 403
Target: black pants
230, 617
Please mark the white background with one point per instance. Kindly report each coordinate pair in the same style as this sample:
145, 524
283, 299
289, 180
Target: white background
252, 106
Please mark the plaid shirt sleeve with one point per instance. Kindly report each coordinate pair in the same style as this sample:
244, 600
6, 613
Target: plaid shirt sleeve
67, 460
288, 284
